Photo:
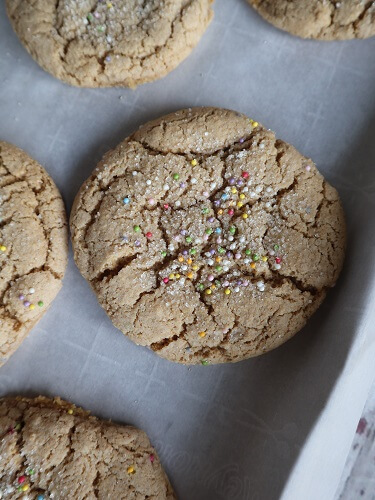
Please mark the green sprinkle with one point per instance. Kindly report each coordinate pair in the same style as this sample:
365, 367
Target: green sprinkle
204, 362
136, 229
217, 283
248, 252
188, 239
209, 231
232, 229
18, 427
205, 210
101, 28
221, 250
200, 286
276, 247
218, 268
193, 251
176, 177
255, 257
90, 17
40, 303
163, 253
30, 472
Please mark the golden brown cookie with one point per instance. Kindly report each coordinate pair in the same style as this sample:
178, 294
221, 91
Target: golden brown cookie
33, 245
51, 449
206, 238
94, 43
323, 19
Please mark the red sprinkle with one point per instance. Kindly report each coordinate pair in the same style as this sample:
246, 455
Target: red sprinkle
165, 280
21, 479
152, 458
277, 260
245, 175
149, 235
231, 211
166, 206
11, 430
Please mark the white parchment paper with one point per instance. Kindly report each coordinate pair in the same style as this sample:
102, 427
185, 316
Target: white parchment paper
277, 426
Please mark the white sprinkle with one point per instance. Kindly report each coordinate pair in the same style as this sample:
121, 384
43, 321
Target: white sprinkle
277, 266
233, 246
213, 185
31, 290
210, 262
262, 145
237, 289
165, 187
242, 239
246, 261
259, 189
269, 189
245, 189
148, 182
198, 241
171, 247
194, 180
182, 281
225, 268
178, 203
268, 204
135, 172
230, 238
253, 195
184, 267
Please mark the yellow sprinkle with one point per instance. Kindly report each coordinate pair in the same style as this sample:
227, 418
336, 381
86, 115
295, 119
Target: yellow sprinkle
70, 411
227, 291
180, 259
189, 261
190, 275
218, 259
234, 190
252, 265
264, 258
242, 196
253, 123
213, 287
194, 163
171, 276
109, 5
178, 276
202, 334
220, 211
208, 291
195, 267
25, 487
239, 204
3, 248
245, 216
32, 307
130, 470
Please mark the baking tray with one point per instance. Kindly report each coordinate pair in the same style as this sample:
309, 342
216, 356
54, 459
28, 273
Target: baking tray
276, 426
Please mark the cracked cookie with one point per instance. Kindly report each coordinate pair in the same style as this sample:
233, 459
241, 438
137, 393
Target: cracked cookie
51, 449
94, 43
322, 19
33, 245
206, 238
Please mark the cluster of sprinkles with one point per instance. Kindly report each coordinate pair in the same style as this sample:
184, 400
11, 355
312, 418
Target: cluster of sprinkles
227, 245
23, 481
27, 303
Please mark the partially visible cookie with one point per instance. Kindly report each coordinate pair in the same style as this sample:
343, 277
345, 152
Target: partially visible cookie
206, 238
94, 43
322, 19
33, 245
51, 449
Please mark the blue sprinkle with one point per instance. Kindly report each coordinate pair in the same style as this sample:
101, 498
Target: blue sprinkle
126, 200
224, 196
40, 497
218, 230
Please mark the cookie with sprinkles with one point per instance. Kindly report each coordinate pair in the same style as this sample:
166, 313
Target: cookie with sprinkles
321, 19
206, 238
102, 43
33, 245
52, 449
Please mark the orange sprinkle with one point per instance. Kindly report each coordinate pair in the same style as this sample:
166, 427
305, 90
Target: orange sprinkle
180, 259
189, 261
252, 265
190, 275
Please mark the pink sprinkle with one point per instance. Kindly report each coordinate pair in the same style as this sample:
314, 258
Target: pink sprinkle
362, 424
26, 303
231, 211
226, 283
205, 237
166, 206
237, 255
151, 201
21, 297
211, 277
152, 458
165, 280
206, 194
245, 175
245, 283
97, 15
308, 168
149, 235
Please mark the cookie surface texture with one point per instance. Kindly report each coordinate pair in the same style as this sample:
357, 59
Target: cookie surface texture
206, 238
94, 43
321, 19
33, 245
51, 449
